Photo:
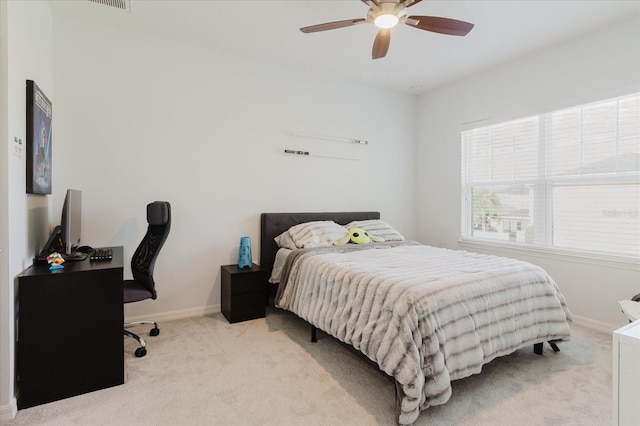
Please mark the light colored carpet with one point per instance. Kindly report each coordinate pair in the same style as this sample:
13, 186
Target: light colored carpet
205, 371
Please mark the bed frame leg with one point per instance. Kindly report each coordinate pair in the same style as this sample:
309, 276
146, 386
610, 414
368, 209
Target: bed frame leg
537, 347
314, 334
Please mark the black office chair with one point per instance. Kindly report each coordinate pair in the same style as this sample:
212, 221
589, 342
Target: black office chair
142, 286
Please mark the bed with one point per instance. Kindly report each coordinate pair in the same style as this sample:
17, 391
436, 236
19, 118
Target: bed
425, 315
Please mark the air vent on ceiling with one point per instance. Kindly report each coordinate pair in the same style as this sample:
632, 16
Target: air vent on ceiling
118, 4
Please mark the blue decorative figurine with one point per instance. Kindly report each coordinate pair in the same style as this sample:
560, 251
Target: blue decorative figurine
244, 254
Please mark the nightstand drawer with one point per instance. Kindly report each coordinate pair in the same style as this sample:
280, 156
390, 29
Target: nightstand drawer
245, 307
243, 292
247, 283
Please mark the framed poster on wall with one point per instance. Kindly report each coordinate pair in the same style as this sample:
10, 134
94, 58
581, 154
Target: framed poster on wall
38, 140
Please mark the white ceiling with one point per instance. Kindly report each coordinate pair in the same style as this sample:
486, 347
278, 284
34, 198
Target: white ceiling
417, 60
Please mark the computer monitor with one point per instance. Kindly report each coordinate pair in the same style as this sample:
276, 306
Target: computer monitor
66, 236
71, 222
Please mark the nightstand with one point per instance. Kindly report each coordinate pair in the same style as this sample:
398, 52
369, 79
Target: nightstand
243, 292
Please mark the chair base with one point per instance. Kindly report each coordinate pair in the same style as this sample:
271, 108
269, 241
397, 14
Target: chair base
142, 350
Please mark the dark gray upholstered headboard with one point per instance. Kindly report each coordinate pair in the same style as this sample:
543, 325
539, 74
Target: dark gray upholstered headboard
274, 224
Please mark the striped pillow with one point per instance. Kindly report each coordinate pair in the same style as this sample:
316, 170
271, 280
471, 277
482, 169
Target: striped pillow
284, 240
378, 228
316, 234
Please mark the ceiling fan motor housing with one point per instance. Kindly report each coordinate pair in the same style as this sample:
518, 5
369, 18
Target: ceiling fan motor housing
383, 8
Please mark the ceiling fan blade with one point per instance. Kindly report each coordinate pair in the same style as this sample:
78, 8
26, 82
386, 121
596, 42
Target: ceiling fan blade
409, 3
370, 1
381, 44
440, 25
331, 25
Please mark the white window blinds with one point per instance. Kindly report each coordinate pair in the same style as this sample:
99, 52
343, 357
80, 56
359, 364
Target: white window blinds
566, 179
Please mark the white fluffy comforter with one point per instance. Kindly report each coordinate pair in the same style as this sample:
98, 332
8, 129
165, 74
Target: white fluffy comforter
425, 315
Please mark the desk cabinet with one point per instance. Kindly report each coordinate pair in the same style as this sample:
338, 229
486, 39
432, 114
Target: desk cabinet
626, 375
243, 292
70, 323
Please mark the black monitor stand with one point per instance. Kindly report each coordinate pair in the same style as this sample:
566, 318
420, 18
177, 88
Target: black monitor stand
54, 243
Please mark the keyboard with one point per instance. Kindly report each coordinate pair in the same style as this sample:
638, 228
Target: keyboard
101, 255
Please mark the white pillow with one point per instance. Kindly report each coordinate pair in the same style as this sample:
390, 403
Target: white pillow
378, 228
284, 240
316, 234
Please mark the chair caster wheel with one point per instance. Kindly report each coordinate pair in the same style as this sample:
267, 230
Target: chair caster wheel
140, 352
154, 331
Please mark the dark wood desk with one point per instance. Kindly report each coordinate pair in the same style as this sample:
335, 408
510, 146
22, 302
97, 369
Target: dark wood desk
70, 323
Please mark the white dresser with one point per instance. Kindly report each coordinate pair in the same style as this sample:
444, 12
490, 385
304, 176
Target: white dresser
626, 375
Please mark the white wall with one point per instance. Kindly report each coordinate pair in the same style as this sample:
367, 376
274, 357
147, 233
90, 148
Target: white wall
26, 54
596, 66
140, 118
6, 361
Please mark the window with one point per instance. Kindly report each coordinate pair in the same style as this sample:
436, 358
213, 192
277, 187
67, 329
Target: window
568, 179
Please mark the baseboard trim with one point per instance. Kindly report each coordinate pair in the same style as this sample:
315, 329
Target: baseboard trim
176, 315
8, 412
212, 309
595, 324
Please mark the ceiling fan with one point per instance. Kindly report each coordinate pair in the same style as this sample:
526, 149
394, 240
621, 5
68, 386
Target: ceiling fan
386, 14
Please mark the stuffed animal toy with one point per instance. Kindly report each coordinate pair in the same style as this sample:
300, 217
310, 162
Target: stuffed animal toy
358, 236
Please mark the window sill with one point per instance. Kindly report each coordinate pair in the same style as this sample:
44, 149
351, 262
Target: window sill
610, 261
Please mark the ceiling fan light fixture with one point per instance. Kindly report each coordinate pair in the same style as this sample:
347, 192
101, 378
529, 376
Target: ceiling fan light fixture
386, 20
386, 14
